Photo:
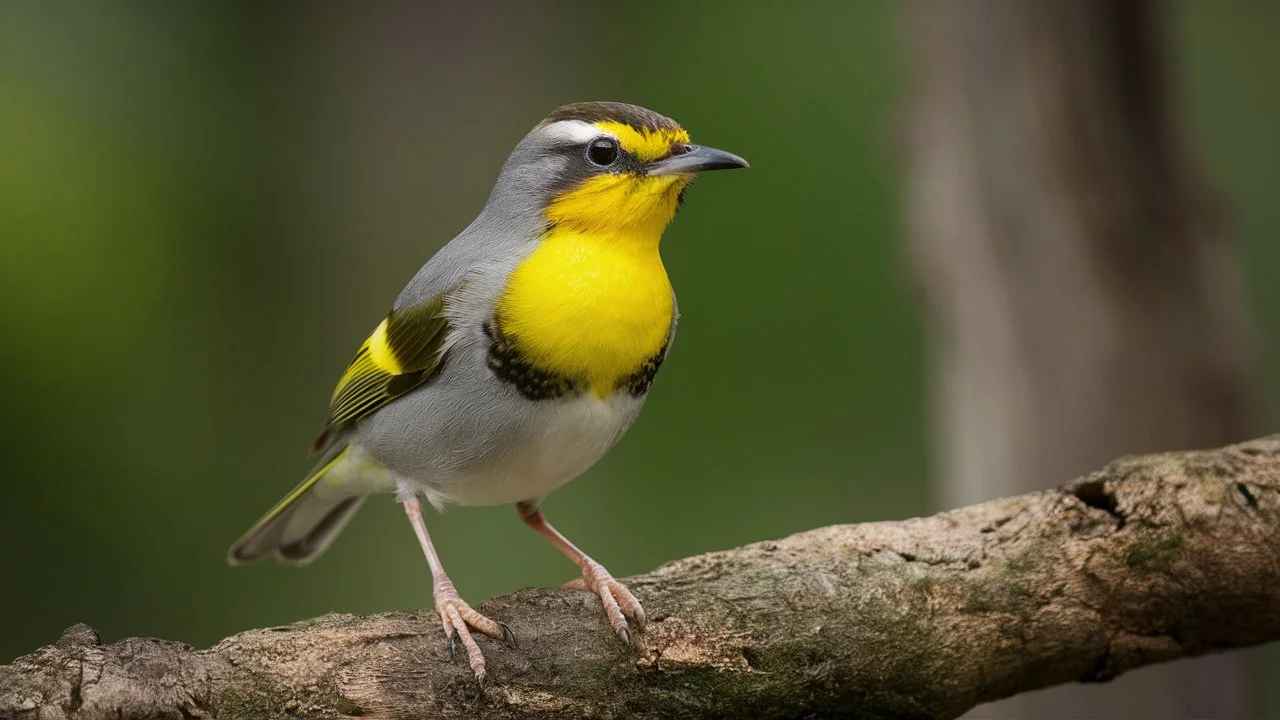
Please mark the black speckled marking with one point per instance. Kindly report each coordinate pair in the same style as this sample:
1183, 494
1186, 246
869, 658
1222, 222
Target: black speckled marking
509, 366
638, 382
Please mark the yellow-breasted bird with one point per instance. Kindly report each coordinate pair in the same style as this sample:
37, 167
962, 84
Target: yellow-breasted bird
516, 357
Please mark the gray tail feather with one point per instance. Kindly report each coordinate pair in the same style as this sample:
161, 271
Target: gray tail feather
321, 535
303, 524
297, 535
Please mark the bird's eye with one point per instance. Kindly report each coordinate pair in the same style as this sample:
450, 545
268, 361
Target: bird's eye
602, 151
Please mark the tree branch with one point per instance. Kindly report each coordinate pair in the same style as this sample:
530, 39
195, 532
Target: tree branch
1150, 559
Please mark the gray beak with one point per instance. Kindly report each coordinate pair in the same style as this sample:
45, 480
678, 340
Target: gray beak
695, 159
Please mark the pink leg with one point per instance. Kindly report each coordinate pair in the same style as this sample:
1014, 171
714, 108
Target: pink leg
456, 616
619, 603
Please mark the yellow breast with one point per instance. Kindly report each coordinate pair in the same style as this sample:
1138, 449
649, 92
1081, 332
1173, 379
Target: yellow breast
589, 305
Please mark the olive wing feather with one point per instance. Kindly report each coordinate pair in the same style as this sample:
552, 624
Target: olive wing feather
403, 352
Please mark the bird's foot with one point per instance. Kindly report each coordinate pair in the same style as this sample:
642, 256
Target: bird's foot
458, 619
619, 603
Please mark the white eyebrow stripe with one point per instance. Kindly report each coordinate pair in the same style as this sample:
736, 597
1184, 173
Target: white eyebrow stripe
577, 132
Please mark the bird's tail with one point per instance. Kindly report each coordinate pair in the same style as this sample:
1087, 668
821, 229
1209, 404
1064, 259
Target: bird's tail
305, 521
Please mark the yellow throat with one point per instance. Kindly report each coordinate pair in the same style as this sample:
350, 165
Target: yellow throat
593, 301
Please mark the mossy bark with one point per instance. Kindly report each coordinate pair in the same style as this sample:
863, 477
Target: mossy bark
1150, 559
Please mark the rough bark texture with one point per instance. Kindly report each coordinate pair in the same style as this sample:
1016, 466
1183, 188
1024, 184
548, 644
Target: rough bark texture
1150, 559
1083, 302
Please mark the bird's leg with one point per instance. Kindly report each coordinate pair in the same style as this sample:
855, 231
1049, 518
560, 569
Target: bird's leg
619, 603
456, 616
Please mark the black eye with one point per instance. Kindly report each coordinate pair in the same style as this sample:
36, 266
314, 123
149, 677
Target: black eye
602, 151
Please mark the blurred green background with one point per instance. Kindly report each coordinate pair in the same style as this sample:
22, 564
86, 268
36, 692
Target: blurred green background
204, 208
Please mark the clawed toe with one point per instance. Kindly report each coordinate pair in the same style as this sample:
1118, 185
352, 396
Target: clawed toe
459, 619
508, 636
619, 604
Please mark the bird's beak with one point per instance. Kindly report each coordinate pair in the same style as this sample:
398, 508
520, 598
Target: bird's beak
695, 159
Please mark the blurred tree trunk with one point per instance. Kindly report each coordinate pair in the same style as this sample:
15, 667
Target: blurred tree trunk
1083, 302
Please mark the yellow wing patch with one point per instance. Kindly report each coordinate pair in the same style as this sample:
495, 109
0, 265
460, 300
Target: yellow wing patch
403, 352
359, 384
380, 353
647, 145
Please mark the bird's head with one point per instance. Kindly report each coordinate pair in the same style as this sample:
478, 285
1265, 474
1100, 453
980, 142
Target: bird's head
603, 167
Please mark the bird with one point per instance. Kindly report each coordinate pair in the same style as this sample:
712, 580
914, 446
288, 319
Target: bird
515, 358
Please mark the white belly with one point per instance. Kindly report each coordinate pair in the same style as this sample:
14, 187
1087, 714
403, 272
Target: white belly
557, 443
